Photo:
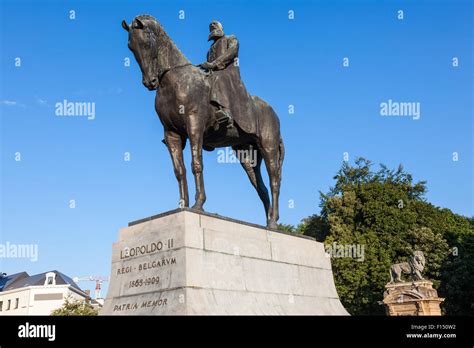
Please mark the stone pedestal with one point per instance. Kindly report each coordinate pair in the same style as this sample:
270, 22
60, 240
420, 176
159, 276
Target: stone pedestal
412, 298
188, 262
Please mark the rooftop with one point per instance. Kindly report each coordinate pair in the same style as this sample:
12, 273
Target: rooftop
23, 280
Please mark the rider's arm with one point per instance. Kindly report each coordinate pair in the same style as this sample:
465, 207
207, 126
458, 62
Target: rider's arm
230, 54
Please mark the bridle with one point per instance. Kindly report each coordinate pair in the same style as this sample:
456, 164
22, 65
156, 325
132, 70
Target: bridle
161, 71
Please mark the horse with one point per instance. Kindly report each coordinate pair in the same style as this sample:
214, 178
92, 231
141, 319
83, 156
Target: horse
183, 106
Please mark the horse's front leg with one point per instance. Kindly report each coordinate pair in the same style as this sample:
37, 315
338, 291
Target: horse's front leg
174, 142
196, 133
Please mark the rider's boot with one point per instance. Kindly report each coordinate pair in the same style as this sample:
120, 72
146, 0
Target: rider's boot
223, 117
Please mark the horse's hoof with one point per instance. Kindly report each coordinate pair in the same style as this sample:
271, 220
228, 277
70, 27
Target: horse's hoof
272, 225
197, 207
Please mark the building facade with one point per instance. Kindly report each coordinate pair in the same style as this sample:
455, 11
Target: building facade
39, 294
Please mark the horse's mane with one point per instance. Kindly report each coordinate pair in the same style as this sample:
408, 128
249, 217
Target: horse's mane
162, 36
147, 16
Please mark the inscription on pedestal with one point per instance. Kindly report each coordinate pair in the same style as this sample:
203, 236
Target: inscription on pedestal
145, 268
147, 265
146, 249
188, 263
134, 306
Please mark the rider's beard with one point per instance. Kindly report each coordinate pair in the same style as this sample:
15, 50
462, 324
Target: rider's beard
215, 34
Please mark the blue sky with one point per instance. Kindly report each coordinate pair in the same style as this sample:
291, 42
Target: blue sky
297, 62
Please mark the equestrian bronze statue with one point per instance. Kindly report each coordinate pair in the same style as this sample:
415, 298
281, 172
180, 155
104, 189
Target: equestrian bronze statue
209, 105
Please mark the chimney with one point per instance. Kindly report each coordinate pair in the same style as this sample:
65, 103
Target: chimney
88, 293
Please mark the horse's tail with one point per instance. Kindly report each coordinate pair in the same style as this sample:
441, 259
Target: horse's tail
282, 157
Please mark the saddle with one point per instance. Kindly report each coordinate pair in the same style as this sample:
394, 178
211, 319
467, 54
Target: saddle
227, 90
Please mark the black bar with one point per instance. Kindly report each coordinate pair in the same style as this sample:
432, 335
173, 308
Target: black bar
217, 330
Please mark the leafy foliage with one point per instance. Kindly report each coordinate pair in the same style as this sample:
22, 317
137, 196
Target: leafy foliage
287, 228
72, 307
386, 212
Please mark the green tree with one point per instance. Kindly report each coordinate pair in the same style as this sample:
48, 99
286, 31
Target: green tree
286, 228
72, 307
386, 212
457, 272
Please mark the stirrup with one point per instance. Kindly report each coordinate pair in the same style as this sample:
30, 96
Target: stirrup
223, 117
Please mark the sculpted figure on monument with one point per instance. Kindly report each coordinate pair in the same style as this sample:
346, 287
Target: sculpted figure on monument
222, 61
413, 267
194, 102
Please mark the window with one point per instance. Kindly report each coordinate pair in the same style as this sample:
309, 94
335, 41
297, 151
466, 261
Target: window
1, 306
9, 304
17, 302
50, 279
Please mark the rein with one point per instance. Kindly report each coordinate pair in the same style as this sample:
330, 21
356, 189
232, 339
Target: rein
162, 72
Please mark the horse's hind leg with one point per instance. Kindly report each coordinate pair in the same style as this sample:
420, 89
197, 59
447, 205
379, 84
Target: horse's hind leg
250, 158
271, 154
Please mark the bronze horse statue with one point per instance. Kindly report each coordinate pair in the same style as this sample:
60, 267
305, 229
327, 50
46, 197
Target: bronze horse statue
183, 105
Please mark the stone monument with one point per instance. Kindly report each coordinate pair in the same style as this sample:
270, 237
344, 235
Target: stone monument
191, 262
209, 106
411, 298
187, 261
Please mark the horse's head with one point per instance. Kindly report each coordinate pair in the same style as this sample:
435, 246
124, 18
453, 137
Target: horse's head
142, 42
